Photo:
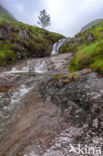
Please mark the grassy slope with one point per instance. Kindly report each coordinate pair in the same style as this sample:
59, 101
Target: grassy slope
4, 15
87, 54
36, 45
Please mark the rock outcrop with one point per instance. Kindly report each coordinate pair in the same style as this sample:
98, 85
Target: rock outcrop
4, 34
89, 38
23, 35
80, 97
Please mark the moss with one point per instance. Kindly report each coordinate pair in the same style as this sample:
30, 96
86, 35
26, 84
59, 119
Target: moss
71, 77
58, 76
65, 77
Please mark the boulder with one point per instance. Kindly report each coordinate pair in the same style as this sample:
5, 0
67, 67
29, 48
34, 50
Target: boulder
70, 44
4, 33
78, 40
9, 28
89, 38
23, 34
22, 55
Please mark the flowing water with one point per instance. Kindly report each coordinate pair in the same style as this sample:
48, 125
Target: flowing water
28, 122
57, 46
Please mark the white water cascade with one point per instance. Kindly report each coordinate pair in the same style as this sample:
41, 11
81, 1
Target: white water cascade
41, 66
25, 69
56, 47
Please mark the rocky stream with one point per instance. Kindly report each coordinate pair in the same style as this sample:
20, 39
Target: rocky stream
47, 111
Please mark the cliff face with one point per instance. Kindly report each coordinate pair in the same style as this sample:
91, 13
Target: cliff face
20, 41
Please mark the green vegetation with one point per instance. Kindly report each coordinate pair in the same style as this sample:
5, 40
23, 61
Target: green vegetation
87, 54
6, 54
4, 15
58, 76
66, 48
71, 77
88, 57
31, 43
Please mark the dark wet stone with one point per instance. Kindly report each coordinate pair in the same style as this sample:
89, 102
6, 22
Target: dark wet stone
23, 35
78, 40
4, 33
90, 38
83, 98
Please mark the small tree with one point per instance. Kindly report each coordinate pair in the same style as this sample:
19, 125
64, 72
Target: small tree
44, 19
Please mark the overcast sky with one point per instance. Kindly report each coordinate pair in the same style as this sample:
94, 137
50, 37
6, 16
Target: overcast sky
67, 16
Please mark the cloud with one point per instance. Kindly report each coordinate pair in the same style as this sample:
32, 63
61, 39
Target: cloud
67, 16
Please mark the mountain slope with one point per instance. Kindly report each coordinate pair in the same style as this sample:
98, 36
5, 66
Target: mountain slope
88, 49
89, 25
5, 15
20, 41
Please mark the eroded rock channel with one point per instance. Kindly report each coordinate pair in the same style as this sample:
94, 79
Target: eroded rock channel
47, 111
27, 120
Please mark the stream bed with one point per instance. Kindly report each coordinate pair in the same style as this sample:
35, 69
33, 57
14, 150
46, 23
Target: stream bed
47, 111
27, 120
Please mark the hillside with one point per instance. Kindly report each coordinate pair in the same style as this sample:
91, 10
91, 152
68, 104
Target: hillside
5, 15
88, 49
20, 41
89, 25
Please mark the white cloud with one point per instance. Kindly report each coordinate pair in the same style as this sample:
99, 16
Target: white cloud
67, 16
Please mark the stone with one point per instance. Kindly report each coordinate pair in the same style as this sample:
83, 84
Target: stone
89, 38
95, 123
82, 97
18, 54
23, 35
81, 102
78, 40
22, 55
4, 33
9, 28
70, 44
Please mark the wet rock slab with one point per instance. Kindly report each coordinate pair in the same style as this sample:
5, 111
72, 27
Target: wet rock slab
50, 111
27, 120
81, 102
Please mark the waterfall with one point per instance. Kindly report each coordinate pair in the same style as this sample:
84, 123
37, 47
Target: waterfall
41, 66
56, 47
